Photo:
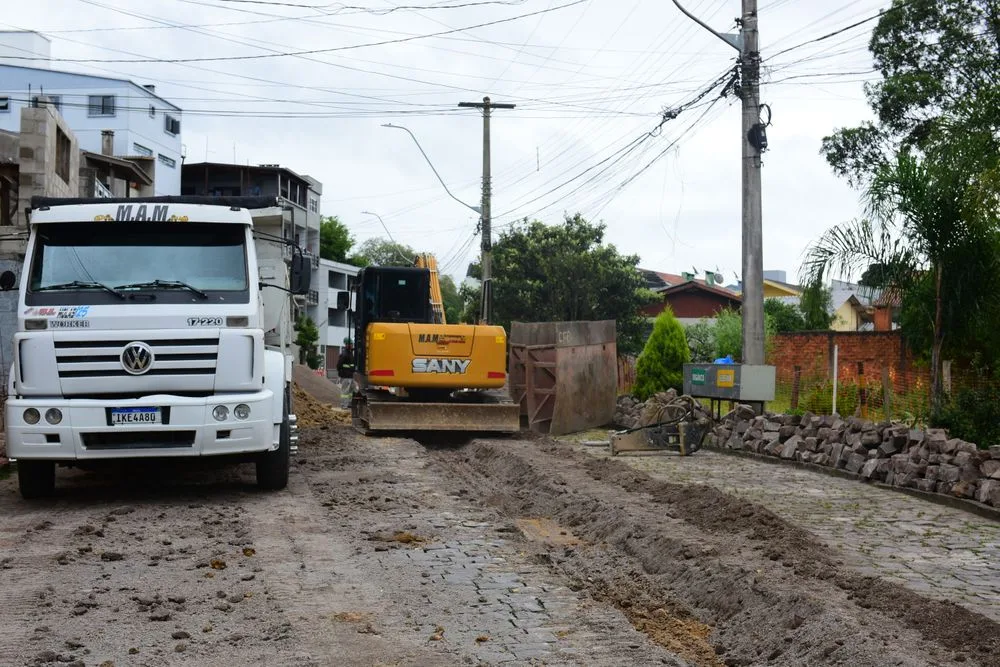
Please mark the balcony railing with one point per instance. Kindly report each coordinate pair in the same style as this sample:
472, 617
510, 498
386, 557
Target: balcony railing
102, 191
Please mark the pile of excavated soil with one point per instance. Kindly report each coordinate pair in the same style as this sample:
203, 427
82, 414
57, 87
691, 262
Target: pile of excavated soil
694, 568
311, 412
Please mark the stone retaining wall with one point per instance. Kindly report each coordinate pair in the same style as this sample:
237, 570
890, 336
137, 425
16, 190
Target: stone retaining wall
894, 454
927, 460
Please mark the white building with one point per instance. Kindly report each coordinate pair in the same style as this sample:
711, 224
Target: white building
335, 277
143, 123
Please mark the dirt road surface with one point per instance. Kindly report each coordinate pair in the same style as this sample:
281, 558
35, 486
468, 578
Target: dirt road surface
384, 551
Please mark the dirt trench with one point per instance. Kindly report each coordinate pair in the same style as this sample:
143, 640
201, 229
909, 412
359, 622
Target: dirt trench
674, 556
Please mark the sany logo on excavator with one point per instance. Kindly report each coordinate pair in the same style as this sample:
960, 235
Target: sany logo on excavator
440, 365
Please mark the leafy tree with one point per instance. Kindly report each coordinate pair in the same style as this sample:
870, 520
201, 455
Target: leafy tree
335, 240
929, 166
935, 232
786, 316
382, 252
938, 60
727, 334
308, 336
815, 304
566, 272
701, 341
451, 298
661, 364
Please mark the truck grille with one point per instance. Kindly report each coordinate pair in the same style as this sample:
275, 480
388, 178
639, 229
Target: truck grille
139, 440
90, 367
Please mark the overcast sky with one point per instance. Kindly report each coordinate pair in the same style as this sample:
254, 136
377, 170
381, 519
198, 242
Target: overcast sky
590, 80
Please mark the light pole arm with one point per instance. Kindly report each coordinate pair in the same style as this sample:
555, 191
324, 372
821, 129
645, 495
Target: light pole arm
400, 127
732, 40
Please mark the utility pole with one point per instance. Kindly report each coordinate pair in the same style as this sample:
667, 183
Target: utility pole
753, 140
486, 302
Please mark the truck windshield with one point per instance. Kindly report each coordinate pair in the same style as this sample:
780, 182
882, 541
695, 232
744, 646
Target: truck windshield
176, 261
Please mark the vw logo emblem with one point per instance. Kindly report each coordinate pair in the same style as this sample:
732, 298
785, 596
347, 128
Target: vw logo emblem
137, 358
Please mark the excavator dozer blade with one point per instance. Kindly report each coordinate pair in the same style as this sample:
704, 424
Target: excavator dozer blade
406, 416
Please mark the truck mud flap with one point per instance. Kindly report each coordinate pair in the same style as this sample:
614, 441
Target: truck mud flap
406, 416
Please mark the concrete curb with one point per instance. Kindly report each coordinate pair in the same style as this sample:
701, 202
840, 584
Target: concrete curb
971, 506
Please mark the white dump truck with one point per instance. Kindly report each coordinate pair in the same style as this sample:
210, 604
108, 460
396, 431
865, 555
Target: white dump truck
153, 327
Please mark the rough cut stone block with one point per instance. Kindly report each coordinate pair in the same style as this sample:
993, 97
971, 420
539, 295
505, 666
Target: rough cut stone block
772, 426
945, 487
773, 448
916, 437
853, 439
855, 462
888, 448
917, 469
812, 444
871, 439
790, 447
962, 458
995, 451
890, 477
899, 463
926, 484
989, 492
932, 473
969, 473
990, 468
948, 473
950, 446
821, 459
870, 469
964, 489
964, 446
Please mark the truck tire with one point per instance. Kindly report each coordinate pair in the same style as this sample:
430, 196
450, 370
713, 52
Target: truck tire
272, 467
37, 479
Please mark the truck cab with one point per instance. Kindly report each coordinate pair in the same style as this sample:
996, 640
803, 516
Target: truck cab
141, 333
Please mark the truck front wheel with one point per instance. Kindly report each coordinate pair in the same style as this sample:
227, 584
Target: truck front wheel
272, 467
37, 479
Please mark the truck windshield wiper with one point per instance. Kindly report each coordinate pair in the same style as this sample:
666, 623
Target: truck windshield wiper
81, 284
165, 284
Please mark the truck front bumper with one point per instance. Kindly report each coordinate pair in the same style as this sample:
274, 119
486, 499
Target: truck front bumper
187, 428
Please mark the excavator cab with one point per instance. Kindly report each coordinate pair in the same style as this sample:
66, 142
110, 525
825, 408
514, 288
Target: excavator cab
414, 371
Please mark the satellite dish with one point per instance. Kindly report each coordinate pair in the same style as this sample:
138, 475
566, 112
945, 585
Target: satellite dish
718, 278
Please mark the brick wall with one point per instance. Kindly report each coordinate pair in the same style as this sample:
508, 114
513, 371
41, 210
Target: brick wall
813, 353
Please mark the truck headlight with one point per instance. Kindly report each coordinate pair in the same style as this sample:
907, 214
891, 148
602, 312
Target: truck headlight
221, 413
242, 411
53, 416
31, 416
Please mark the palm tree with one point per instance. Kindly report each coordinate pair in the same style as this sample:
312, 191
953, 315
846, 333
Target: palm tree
929, 218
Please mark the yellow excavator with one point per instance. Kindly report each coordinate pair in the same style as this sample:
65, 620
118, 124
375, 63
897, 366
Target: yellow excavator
416, 372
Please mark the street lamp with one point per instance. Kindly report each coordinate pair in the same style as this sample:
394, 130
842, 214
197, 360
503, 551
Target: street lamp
395, 245
400, 127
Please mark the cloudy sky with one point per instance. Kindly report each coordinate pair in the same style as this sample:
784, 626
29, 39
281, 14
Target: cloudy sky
590, 79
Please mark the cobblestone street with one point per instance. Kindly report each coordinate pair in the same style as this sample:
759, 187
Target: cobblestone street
934, 550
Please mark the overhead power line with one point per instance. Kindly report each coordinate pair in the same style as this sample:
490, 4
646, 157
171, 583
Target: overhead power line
839, 31
263, 56
368, 10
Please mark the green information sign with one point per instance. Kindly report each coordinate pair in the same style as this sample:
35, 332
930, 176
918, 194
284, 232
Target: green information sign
698, 376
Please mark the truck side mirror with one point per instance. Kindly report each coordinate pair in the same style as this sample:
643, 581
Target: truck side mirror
343, 300
7, 281
301, 274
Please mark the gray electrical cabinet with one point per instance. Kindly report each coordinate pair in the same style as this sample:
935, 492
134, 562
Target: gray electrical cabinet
730, 382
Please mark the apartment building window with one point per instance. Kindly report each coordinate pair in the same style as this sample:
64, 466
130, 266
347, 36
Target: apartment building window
63, 149
54, 100
142, 150
4, 104
171, 125
169, 161
313, 205
101, 105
